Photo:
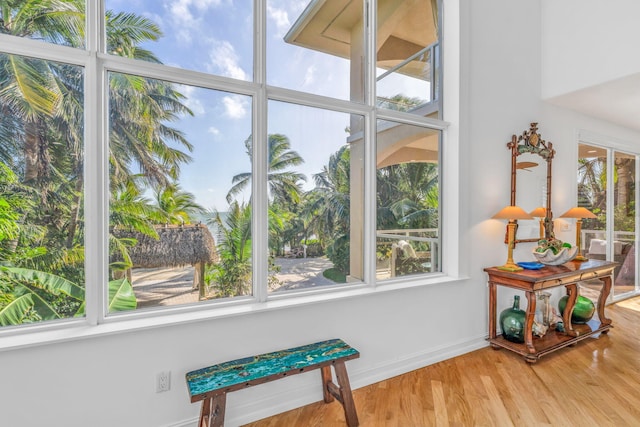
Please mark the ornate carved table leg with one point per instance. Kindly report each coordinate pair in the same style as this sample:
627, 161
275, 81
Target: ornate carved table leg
528, 321
572, 292
602, 299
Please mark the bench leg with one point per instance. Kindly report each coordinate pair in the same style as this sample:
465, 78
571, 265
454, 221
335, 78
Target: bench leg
326, 380
212, 413
345, 393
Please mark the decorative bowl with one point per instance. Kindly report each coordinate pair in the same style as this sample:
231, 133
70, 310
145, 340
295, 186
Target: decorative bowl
549, 258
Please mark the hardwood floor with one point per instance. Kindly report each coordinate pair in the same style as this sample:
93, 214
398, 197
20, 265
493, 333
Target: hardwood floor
594, 383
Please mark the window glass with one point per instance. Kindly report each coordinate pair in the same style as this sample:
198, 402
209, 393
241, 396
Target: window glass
59, 22
624, 223
316, 47
215, 37
408, 200
592, 194
180, 213
407, 56
312, 177
42, 274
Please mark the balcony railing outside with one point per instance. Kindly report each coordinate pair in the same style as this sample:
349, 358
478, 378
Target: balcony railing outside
422, 243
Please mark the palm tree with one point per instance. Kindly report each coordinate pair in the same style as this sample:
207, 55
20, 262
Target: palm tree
176, 205
232, 275
30, 88
328, 207
139, 136
284, 185
408, 196
329, 201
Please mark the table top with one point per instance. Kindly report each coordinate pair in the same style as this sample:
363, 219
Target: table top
588, 269
243, 370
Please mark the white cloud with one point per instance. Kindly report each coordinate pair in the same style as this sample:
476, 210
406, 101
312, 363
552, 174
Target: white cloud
185, 22
309, 76
224, 61
191, 100
180, 11
213, 130
157, 19
205, 4
235, 106
281, 19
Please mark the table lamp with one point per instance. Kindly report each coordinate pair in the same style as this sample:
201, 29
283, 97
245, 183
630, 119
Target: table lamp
511, 213
578, 213
540, 213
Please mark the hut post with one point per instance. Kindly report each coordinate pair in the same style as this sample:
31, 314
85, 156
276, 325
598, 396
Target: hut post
198, 279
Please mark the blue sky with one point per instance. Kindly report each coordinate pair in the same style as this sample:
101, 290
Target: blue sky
216, 36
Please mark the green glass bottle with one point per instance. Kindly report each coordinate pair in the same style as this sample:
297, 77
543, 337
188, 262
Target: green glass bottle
512, 322
583, 311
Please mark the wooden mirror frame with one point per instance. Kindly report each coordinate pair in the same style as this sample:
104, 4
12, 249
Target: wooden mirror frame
531, 142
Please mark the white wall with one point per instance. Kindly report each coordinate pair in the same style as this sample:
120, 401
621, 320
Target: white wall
588, 42
109, 381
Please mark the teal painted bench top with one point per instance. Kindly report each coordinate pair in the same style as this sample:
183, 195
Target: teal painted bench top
212, 383
245, 370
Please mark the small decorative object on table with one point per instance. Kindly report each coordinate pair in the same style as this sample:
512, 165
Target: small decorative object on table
542, 319
583, 311
531, 265
512, 322
554, 252
546, 315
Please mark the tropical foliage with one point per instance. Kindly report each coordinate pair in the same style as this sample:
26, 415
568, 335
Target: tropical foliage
284, 184
41, 160
592, 192
31, 295
232, 275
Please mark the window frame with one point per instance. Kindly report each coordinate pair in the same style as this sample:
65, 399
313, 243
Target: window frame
97, 64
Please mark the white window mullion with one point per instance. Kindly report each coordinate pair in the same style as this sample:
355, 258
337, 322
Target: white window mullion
370, 125
610, 204
259, 200
95, 176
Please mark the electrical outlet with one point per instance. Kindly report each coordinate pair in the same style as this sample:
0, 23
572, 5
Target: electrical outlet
565, 226
163, 381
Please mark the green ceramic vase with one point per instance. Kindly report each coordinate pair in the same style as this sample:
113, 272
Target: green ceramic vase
583, 310
512, 322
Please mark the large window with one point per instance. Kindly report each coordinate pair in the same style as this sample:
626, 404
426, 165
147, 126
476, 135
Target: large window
199, 157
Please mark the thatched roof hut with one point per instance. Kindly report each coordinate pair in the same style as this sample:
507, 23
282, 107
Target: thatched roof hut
177, 246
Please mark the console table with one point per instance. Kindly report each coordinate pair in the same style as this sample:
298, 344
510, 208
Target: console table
531, 281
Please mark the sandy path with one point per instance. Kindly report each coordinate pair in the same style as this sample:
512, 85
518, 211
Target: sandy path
174, 286
301, 273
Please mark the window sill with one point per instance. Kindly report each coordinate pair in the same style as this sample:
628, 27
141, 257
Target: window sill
71, 330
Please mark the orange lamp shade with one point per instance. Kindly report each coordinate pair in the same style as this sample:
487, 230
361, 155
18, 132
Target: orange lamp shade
578, 213
539, 212
512, 212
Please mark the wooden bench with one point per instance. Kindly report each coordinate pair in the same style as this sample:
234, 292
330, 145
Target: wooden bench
212, 384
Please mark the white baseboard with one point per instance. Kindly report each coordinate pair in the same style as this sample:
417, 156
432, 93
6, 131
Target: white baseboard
273, 404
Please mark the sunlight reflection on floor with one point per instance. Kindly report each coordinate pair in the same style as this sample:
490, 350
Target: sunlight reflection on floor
631, 304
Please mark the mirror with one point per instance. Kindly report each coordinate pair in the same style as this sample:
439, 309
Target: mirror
531, 158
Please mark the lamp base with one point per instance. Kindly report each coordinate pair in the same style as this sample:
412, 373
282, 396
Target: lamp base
510, 267
581, 258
